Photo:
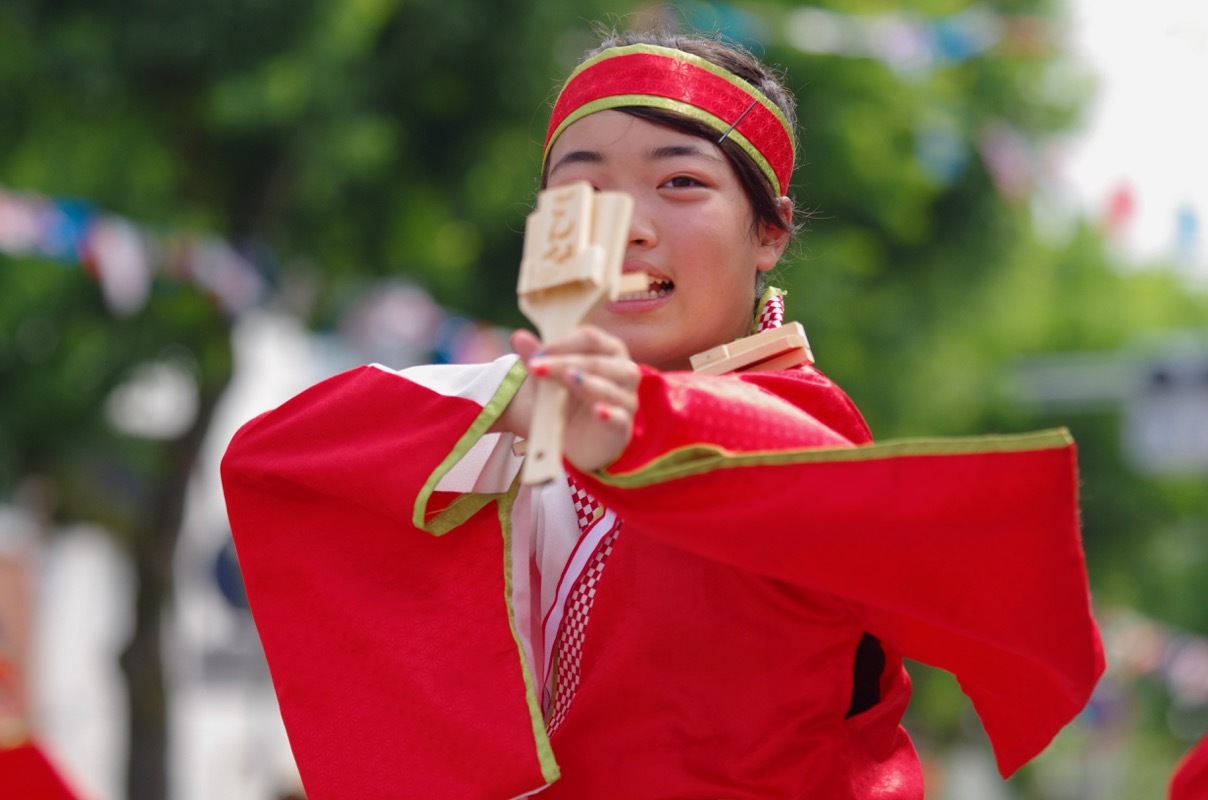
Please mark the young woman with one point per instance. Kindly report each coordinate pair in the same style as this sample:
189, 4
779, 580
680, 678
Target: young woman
716, 601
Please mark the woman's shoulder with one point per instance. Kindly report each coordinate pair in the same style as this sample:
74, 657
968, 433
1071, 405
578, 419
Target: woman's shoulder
813, 391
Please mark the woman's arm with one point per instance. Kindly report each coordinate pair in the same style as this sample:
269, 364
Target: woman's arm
611, 397
375, 437
962, 553
965, 554
393, 651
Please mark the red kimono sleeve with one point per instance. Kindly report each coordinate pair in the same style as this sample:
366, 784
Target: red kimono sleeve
392, 649
965, 553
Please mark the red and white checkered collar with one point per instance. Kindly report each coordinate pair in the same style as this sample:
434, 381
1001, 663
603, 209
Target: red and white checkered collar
771, 310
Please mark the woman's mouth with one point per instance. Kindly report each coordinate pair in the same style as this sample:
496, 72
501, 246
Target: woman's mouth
656, 289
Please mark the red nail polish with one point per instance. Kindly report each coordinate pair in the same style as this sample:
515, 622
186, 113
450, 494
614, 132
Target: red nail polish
602, 412
539, 368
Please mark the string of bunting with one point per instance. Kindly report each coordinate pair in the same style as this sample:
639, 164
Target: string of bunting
914, 43
126, 259
1140, 648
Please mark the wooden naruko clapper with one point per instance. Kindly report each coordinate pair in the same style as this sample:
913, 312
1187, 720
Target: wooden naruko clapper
574, 246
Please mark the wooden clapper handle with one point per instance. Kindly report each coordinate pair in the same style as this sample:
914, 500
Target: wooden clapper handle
574, 245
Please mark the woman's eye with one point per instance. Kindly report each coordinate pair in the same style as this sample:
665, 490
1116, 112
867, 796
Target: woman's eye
682, 182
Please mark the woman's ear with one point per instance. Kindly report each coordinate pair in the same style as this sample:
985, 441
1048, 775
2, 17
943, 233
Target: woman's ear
773, 239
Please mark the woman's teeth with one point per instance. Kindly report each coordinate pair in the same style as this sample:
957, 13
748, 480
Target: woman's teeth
656, 289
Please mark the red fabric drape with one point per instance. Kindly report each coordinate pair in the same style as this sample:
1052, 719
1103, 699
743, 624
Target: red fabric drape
27, 774
967, 556
391, 649
1190, 779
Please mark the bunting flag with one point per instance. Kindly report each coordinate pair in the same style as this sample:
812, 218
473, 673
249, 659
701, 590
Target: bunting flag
1144, 648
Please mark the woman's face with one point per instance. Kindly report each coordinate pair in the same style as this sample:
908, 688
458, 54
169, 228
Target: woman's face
692, 233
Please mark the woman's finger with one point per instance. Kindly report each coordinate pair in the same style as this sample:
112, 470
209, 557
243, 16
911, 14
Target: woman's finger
615, 416
524, 343
587, 340
620, 371
600, 434
592, 388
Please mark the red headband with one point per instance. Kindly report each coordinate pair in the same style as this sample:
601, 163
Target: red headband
662, 77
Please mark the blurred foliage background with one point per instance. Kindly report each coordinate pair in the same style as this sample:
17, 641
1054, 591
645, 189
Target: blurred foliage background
334, 148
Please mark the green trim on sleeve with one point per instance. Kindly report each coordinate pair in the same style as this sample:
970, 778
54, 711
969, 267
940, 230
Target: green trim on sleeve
545, 752
698, 459
467, 505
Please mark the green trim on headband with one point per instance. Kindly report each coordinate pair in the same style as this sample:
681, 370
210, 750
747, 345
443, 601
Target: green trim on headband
697, 61
668, 104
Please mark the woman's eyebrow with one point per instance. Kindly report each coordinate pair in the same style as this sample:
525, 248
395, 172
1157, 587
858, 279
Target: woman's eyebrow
578, 157
680, 150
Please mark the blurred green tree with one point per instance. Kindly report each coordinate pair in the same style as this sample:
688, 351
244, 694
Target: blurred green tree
369, 138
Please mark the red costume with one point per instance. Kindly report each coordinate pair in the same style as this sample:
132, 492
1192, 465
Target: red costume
426, 625
729, 623
1190, 778
26, 773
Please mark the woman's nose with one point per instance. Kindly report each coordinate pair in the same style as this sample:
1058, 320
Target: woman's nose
642, 228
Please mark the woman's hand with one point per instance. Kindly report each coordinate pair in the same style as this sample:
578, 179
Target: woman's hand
602, 382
